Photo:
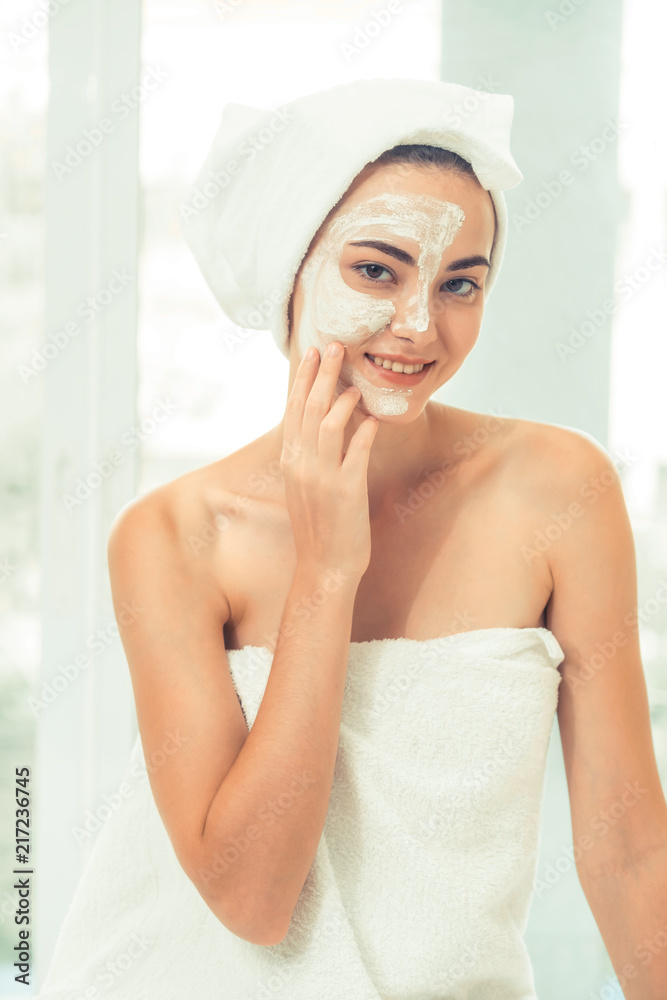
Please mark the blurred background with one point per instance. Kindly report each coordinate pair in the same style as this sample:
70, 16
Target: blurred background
112, 343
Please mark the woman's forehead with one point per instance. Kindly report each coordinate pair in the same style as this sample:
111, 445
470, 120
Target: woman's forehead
413, 184
412, 215
392, 194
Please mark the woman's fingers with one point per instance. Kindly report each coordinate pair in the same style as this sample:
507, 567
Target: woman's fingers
327, 497
293, 420
358, 450
315, 422
319, 401
332, 428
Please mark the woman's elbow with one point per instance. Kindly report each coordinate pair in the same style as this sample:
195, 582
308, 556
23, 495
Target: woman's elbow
245, 916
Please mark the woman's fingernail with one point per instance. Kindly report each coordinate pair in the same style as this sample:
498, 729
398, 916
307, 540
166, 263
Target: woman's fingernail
333, 350
310, 354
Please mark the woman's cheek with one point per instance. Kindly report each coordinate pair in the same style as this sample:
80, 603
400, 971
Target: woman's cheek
332, 310
352, 317
343, 313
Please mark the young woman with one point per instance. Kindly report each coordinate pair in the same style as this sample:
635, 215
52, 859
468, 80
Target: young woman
354, 629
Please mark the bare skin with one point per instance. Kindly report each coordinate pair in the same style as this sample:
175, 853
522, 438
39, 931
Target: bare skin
220, 558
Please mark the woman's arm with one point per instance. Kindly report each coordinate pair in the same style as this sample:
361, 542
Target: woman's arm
245, 811
619, 814
218, 794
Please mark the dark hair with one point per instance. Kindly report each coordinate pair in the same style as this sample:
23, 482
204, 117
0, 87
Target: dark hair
427, 156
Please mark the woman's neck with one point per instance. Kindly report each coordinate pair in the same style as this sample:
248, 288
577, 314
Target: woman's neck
401, 453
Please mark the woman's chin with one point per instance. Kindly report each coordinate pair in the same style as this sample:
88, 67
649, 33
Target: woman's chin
368, 405
383, 413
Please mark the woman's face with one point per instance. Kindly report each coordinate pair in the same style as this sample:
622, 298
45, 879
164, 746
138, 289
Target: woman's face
397, 272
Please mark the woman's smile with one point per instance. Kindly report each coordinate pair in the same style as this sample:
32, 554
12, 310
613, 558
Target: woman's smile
378, 365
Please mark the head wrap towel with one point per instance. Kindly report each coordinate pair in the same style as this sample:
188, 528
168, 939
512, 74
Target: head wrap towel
272, 177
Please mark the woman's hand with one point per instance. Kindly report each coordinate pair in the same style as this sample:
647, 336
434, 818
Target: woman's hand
326, 493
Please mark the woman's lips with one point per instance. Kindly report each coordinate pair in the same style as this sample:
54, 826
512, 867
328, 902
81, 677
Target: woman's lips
398, 378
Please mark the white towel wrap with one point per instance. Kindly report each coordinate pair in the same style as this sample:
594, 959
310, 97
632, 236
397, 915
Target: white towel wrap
422, 880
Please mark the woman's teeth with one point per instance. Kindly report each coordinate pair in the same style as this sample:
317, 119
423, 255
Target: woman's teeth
394, 366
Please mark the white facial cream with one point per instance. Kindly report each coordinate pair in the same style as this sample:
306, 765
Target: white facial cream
332, 310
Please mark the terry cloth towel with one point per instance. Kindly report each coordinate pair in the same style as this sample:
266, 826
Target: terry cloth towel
422, 880
271, 178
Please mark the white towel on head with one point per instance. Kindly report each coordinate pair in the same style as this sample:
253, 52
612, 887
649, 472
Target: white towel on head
272, 177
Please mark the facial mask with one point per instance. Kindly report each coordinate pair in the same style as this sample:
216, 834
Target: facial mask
332, 310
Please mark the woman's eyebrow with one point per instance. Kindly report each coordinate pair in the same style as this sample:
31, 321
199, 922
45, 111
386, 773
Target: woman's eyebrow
461, 264
387, 248
464, 262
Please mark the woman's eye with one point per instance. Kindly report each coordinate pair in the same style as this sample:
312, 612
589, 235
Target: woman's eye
461, 294
372, 271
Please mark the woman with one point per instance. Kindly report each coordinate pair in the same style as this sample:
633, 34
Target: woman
351, 638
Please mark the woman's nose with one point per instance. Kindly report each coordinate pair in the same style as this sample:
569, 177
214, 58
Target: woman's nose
413, 317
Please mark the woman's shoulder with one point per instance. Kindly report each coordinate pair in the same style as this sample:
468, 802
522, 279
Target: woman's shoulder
557, 441
189, 509
554, 463
567, 453
545, 458
516, 435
